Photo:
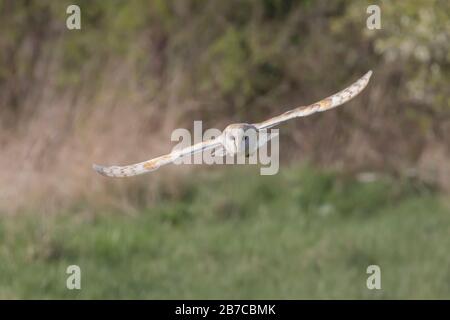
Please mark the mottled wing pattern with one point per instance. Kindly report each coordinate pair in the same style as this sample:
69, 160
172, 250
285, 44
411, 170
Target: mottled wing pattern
153, 164
323, 105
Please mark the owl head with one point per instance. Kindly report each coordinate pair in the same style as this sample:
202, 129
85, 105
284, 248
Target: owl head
240, 138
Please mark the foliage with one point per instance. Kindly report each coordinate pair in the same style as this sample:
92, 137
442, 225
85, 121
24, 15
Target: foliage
139, 69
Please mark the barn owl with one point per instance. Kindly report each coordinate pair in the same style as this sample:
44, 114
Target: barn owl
234, 140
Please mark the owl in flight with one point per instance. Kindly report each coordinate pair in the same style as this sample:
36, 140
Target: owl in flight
233, 140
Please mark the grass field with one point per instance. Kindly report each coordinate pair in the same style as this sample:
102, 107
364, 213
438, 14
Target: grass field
235, 234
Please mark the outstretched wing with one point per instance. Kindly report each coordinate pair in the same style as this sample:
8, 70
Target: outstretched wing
323, 105
153, 164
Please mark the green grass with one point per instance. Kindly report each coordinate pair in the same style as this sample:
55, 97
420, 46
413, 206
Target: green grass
235, 234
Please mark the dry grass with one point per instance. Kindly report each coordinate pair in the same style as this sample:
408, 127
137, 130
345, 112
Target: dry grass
48, 157
129, 95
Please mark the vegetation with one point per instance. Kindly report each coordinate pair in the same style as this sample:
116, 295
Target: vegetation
301, 234
66, 96
112, 92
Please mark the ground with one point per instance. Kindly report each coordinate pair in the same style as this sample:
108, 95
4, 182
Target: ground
233, 234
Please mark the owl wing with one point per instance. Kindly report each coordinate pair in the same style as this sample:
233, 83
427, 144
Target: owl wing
323, 105
153, 164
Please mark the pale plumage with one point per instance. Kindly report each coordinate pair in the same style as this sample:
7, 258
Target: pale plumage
323, 105
232, 141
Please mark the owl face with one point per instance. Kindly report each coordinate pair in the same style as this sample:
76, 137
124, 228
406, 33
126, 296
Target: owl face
240, 138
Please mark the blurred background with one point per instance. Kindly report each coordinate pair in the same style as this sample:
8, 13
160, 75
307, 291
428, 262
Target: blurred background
367, 183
